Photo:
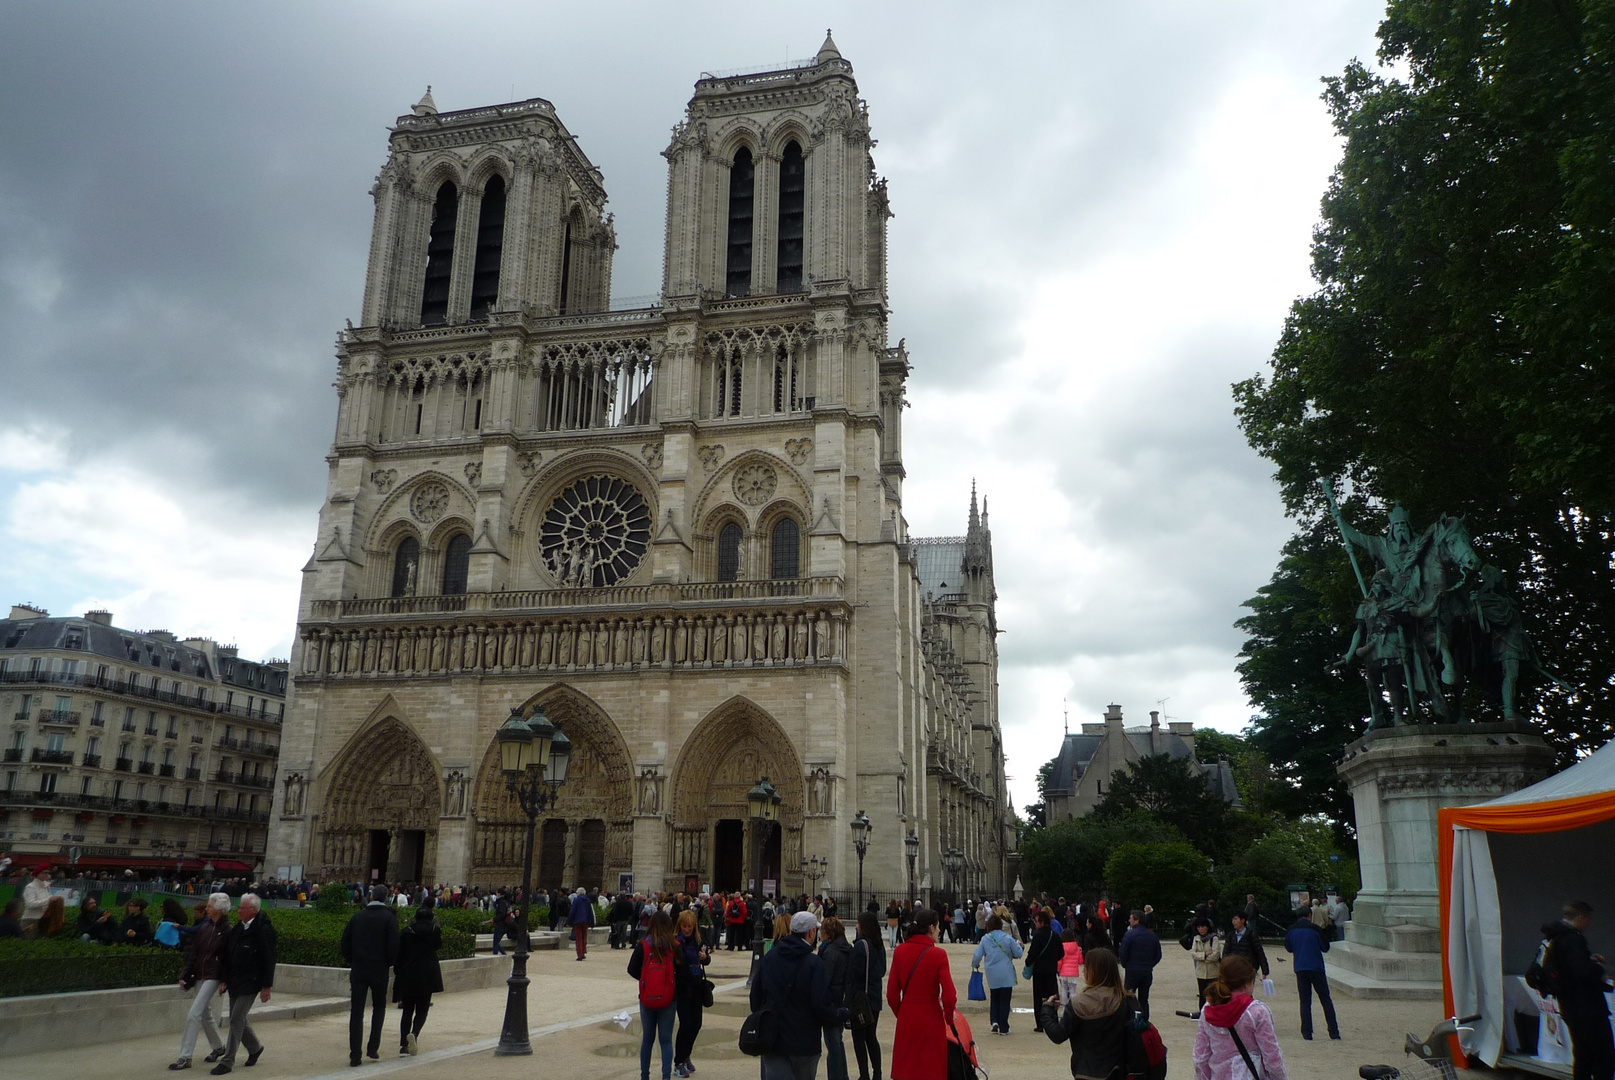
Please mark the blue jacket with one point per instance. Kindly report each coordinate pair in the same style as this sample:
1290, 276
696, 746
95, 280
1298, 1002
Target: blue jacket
1308, 943
1140, 949
794, 982
582, 911
998, 953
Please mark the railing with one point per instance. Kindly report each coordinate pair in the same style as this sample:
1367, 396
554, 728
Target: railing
165, 770
61, 716
23, 716
98, 721
123, 764
224, 776
197, 738
128, 688
53, 757
14, 754
147, 767
193, 774
92, 761
618, 596
127, 726
255, 781
151, 731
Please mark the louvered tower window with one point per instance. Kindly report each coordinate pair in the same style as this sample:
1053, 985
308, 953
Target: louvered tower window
440, 256
742, 183
456, 565
566, 266
406, 563
786, 550
729, 553
490, 241
792, 195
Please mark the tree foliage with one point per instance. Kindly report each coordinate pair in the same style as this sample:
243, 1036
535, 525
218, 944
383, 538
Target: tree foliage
1037, 814
1456, 355
1173, 878
1068, 858
1166, 789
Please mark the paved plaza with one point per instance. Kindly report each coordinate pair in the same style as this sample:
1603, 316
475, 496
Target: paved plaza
573, 1004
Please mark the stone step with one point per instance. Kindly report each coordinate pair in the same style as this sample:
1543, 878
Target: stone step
1387, 965
1354, 984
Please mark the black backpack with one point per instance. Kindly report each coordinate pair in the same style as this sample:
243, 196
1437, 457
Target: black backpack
1542, 974
759, 1033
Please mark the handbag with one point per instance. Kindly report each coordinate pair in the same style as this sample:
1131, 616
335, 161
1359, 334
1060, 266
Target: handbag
978, 987
858, 1004
1026, 969
1239, 1044
707, 989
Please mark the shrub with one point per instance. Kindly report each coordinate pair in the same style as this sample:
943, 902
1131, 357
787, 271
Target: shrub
65, 965
335, 897
1171, 877
1068, 858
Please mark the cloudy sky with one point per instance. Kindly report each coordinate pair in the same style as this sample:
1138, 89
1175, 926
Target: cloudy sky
1103, 212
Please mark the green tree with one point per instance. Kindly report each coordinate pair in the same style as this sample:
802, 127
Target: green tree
1211, 744
1457, 353
1068, 858
1168, 790
1037, 814
1171, 877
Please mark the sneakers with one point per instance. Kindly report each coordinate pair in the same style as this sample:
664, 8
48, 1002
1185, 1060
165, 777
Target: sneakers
681, 1071
995, 1029
689, 1067
182, 1063
411, 1045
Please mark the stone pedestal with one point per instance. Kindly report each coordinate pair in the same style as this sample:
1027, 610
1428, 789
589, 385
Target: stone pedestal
1399, 778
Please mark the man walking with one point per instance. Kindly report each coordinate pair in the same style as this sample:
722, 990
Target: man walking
581, 917
795, 983
202, 968
248, 970
369, 948
1308, 943
1139, 952
1577, 975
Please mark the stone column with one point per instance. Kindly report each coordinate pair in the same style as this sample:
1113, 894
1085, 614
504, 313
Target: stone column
1399, 778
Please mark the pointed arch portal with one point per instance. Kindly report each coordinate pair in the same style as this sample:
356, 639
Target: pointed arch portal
381, 808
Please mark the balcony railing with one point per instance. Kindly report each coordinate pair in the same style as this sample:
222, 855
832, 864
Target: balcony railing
165, 770
147, 767
193, 774
247, 746
123, 764
60, 716
98, 721
224, 776
127, 688
53, 757
195, 738
255, 781
92, 761
626, 596
14, 754
23, 716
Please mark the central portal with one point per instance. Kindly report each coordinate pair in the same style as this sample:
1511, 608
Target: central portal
729, 843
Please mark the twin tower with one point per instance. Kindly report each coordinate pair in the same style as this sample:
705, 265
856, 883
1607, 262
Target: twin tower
676, 528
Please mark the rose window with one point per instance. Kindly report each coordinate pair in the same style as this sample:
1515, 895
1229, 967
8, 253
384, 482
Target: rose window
595, 533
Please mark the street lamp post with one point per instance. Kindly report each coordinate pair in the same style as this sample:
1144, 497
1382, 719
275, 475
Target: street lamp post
911, 845
762, 804
814, 870
533, 755
953, 859
861, 829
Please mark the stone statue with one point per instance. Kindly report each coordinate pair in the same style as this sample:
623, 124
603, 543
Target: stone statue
650, 792
409, 578
819, 792
454, 802
294, 796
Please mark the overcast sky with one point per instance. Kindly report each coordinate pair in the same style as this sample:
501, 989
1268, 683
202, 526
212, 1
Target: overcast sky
1102, 210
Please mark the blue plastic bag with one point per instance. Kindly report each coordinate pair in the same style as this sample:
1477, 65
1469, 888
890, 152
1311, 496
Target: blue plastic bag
167, 934
978, 988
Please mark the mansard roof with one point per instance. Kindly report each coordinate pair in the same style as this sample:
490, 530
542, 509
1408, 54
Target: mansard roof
155, 650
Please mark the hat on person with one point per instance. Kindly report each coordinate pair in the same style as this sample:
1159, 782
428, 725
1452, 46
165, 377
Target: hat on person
804, 922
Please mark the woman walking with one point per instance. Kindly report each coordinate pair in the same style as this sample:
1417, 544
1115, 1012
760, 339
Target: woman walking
654, 964
201, 970
1044, 953
893, 913
688, 975
1236, 1039
1069, 974
836, 954
922, 996
867, 971
1096, 1022
418, 975
997, 952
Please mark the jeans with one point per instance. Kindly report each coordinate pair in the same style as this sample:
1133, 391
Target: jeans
789, 1066
688, 1004
241, 1033
656, 1025
998, 1006
498, 932
835, 1053
1139, 981
411, 1019
358, 990
1306, 982
866, 1045
201, 1019
619, 935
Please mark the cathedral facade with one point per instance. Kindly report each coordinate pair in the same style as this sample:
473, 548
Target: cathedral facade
677, 529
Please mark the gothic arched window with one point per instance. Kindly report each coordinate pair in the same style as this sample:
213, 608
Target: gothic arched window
742, 182
490, 242
786, 550
406, 564
440, 256
456, 565
792, 196
729, 553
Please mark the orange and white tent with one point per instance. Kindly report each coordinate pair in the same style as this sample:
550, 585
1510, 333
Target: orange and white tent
1507, 867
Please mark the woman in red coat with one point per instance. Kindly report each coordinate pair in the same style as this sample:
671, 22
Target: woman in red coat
922, 996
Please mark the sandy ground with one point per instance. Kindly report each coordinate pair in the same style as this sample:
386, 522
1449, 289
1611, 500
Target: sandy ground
574, 1035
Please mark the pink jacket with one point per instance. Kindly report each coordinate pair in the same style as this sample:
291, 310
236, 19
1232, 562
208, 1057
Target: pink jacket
1215, 1055
1070, 963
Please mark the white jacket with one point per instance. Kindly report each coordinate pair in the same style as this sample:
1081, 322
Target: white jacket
35, 898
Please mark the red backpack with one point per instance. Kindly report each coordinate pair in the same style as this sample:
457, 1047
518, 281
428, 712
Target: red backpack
655, 979
1146, 1053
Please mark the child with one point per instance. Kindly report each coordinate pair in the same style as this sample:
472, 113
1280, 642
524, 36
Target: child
1070, 972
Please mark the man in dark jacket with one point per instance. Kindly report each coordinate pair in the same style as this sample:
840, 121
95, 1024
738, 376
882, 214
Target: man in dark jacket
580, 917
1307, 942
1579, 982
1139, 952
96, 925
248, 970
622, 917
795, 983
136, 926
1242, 941
370, 949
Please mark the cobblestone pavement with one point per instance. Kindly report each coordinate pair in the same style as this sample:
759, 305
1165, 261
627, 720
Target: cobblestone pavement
574, 1035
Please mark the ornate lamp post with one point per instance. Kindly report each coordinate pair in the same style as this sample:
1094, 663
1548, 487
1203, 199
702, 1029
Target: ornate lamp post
762, 805
911, 846
861, 829
533, 755
814, 870
954, 860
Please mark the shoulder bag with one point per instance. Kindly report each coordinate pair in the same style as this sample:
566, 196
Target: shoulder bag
1239, 1044
1026, 970
759, 1034
1005, 951
858, 1003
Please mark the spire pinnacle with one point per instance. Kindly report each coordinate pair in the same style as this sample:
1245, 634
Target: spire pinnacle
975, 517
425, 106
828, 50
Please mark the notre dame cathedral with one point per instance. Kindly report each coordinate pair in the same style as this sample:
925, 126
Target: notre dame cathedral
678, 530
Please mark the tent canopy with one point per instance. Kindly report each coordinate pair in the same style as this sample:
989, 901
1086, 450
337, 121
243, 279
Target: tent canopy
1508, 866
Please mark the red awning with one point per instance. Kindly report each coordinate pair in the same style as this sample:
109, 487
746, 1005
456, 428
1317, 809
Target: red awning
44, 815
230, 866
86, 815
113, 862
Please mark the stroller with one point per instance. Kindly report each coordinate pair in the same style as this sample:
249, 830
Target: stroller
963, 1064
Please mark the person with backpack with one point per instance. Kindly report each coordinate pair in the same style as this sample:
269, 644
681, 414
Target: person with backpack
1097, 1022
836, 953
923, 997
793, 986
1205, 949
734, 919
689, 979
1236, 1039
867, 972
655, 964
997, 953
1308, 944
417, 974
1570, 971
